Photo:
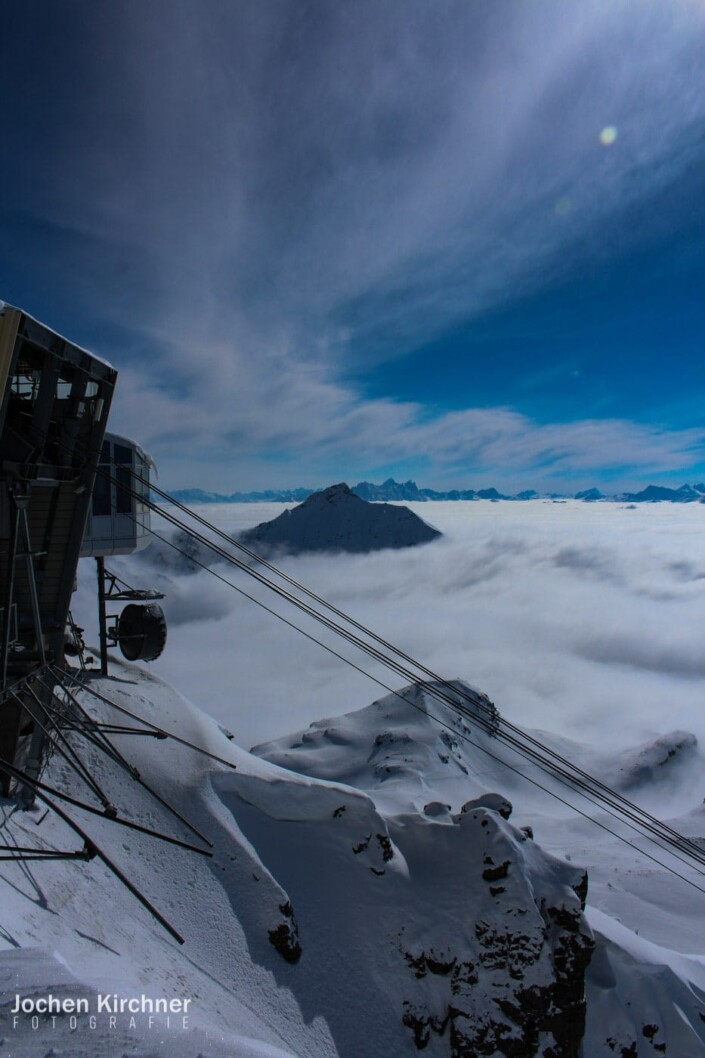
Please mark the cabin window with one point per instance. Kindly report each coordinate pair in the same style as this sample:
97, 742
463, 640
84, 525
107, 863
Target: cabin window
64, 385
25, 382
123, 475
101, 489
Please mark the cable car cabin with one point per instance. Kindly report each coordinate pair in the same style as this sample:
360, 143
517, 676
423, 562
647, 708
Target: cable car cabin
118, 519
55, 403
119, 524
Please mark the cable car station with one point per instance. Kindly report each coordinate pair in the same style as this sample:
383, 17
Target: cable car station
68, 490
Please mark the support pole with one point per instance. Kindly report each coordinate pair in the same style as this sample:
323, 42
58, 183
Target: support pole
102, 618
91, 850
22, 504
9, 590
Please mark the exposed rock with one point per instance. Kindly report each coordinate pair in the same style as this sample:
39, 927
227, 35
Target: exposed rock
494, 873
505, 978
494, 801
285, 942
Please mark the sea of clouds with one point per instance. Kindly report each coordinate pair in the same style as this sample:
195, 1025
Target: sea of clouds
583, 619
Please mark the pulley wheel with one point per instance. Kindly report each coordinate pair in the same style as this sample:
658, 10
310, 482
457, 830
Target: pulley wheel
141, 632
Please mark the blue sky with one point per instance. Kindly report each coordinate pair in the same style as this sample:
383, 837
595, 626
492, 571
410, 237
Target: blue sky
324, 241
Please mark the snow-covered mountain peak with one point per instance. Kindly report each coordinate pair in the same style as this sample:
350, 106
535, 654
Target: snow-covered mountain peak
410, 749
335, 519
405, 749
333, 494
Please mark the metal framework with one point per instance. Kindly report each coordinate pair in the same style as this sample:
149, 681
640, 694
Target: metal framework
54, 404
111, 589
50, 698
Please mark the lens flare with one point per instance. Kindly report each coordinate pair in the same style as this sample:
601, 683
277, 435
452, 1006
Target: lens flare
608, 136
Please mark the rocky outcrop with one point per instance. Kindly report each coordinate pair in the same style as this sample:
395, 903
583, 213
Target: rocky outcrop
475, 937
504, 975
285, 936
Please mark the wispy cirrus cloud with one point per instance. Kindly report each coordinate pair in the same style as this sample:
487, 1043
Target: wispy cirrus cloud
266, 198
319, 424
392, 168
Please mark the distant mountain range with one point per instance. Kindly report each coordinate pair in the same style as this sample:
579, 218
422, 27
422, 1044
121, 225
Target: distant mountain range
268, 496
409, 491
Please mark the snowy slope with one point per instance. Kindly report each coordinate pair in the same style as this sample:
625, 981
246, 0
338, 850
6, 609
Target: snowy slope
350, 914
77, 919
642, 999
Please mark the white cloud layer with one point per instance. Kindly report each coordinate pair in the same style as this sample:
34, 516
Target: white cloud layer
582, 619
313, 422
